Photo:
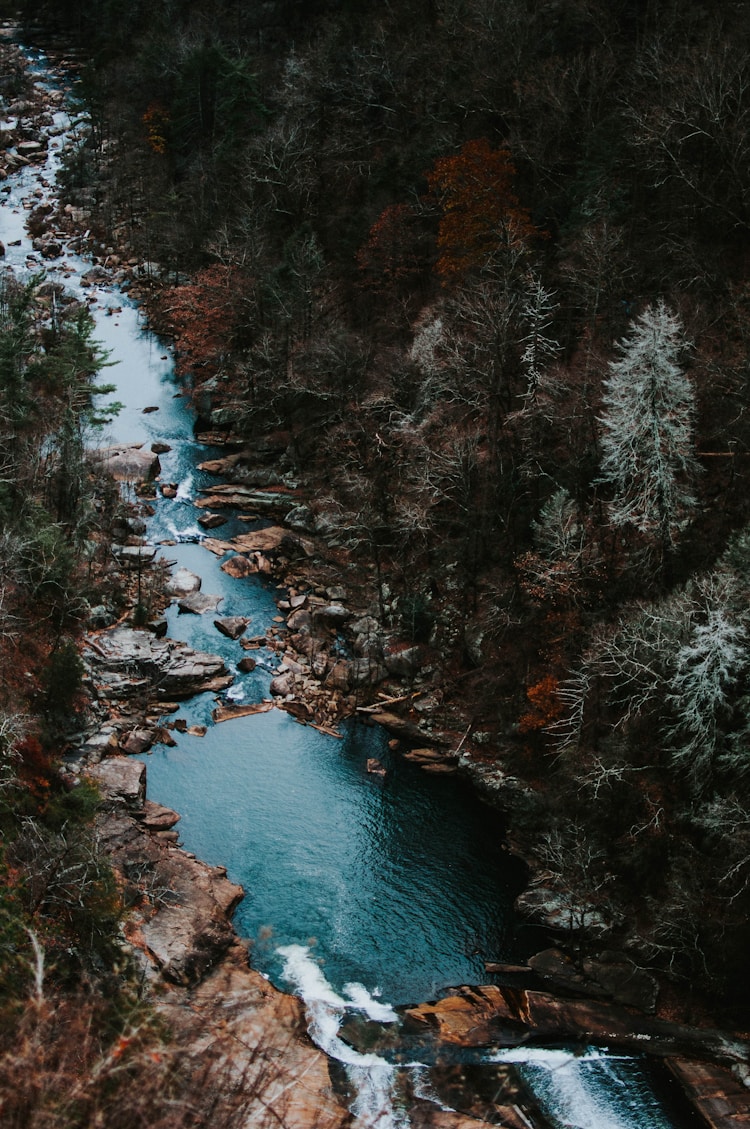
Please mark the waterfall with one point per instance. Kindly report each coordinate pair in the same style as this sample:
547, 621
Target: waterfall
372, 1078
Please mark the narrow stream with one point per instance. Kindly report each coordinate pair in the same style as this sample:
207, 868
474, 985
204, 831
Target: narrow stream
362, 892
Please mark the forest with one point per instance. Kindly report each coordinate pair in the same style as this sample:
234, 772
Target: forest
480, 269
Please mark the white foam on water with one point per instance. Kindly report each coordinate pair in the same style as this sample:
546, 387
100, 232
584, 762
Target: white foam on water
370, 1075
364, 1001
185, 490
575, 1090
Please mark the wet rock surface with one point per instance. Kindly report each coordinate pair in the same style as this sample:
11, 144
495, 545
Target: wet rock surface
127, 661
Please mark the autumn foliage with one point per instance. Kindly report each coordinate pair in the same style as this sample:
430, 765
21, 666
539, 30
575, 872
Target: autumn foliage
545, 705
203, 316
480, 212
156, 120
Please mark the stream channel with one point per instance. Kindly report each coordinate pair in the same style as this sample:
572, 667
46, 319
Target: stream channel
362, 892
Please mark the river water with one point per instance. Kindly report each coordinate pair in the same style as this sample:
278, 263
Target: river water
362, 892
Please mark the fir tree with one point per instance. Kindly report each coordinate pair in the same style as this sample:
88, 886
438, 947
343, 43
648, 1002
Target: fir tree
647, 429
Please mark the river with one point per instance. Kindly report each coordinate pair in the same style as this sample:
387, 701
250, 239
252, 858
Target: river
362, 892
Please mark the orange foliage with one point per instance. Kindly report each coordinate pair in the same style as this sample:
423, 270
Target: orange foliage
480, 211
156, 121
546, 707
204, 316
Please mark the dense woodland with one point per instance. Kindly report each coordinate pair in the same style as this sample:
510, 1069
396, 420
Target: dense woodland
483, 266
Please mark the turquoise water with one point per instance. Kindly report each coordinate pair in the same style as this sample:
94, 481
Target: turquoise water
399, 883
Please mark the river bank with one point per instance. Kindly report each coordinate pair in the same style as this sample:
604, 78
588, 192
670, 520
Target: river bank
320, 602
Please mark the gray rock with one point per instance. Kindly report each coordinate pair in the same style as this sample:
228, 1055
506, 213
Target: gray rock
134, 555
332, 613
129, 463
137, 741
198, 603
127, 661
403, 662
100, 616
299, 620
233, 626
301, 519
182, 582
120, 780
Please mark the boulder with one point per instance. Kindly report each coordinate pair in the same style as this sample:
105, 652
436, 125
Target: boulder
120, 781
246, 665
333, 615
156, 817
299, 620
211, 521
182, 582
282, 685
126, 661
134, 556
232, 625
129, 463
403, 661
239, 567
301, 519
137, 741
198, 603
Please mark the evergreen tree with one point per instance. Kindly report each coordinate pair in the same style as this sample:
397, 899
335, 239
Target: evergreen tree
647, 429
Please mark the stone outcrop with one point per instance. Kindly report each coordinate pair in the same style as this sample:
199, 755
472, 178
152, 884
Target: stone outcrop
182, 582
127, 463
127, 661
503, 1016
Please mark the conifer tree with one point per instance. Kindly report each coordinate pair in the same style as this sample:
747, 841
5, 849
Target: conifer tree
647, 429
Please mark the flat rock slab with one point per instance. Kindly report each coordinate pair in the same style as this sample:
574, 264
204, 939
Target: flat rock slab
120, 780
198, 603
269, 498
183, 923
259, 1034
475, 1017
720, 1099
126, 658
128, 463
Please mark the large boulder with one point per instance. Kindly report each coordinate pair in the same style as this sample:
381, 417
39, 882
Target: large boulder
559, 909
199, 602
233, 626
128, 463
127, 661
182, 583
120, 781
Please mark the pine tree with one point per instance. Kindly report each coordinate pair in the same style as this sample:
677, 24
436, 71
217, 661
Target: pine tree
647, 429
